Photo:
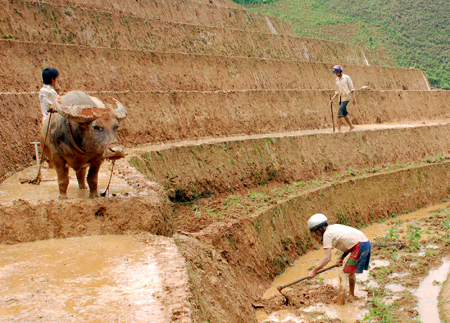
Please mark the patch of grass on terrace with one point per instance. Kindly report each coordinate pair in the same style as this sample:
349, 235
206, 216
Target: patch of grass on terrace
235, 205
414, 33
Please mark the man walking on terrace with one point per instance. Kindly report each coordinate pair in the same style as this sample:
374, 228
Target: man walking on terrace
348, 240
345, 90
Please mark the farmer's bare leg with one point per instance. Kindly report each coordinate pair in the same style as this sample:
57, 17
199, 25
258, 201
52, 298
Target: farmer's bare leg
62, 170
339, 124
349, 123
343, 286
352, 283
81, 177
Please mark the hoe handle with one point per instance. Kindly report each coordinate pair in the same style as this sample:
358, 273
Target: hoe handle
303, 278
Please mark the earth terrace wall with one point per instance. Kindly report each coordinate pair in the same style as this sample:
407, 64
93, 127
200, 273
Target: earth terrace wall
166, 116
22, 221
122, 70
252, 250
136, 6
201, 170
116, 32
36, 17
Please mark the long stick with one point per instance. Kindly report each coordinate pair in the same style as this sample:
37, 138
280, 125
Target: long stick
38, 179
332, 115
303, 278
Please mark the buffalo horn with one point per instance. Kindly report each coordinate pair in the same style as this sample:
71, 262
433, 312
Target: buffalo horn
120, 112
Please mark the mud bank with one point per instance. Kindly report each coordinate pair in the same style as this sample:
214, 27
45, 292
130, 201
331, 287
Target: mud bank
149, 71
165, 116
143, 211
207, 168
188, 12
171, 38
138, 7
140, 70
444, 302
231, 262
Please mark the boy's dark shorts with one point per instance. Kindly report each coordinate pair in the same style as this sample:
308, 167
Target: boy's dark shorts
342, 112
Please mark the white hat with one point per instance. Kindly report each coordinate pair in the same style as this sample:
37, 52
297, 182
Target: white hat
317, 221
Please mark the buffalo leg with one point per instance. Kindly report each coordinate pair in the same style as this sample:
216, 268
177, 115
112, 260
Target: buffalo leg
62, 170
92, 180
81, 177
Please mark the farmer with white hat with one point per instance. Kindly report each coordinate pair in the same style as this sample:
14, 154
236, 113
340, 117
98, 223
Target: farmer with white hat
350, 241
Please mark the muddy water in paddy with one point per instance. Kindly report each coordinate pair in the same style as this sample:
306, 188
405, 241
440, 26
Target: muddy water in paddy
11, 189
95, 279
428, 292
354, 310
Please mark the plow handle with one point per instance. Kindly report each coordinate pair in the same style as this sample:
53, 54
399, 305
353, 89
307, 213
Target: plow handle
332, 114
303, 278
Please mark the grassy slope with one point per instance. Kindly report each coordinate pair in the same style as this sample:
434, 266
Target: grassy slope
414, 33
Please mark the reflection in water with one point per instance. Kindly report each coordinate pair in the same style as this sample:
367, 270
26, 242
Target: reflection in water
11, 189
394, 287
428, 292
95, 279
373, 264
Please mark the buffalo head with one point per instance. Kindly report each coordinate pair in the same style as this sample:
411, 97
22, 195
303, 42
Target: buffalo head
97, 122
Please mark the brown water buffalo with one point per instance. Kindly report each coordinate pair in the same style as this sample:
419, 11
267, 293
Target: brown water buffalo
82, 134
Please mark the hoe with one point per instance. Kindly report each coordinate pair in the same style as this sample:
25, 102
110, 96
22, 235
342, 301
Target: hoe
281, 287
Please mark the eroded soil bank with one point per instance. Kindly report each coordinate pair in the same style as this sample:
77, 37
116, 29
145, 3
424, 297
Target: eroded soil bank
234, 246
143, 209
202, 168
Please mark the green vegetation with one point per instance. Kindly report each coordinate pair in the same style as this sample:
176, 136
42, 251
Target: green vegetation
414, 33
379, 311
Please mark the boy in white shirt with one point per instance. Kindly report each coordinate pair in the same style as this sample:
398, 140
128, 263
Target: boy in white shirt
345, 89
48, 94
350, 241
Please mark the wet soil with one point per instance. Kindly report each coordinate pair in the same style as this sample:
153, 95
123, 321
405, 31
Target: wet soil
48, 189
396, 277
97, 279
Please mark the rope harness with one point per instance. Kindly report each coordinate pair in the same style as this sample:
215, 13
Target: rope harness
72, 141
103, 194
